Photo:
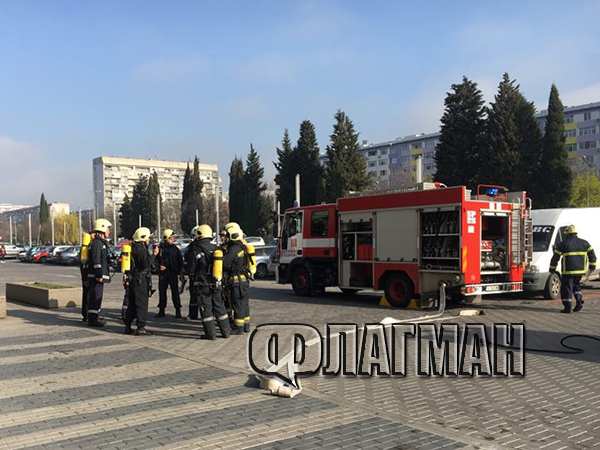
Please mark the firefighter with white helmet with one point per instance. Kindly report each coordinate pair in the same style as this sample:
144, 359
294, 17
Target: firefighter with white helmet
204, 268
141, 282
84, 270
237, 277
575, 253
170, 271
97, 271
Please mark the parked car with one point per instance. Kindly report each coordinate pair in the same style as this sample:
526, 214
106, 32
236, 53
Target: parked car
115, 257
30, 252
23, 254
262, 261
272, 243
12, 251
271, 266
40, 256
53, 251
68, 256
256, 241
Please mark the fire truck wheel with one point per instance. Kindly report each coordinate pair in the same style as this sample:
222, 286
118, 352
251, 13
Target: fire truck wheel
552, 289
301, 282
399, 290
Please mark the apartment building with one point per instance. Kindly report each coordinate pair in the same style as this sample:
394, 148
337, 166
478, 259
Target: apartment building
115, 177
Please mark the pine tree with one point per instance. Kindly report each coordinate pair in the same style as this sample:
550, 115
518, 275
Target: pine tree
306, 156
499, 157
193, 199
257, 213
462, 131
284, 179
152, 193
44, 210
236, 191
127, 223
556, 179
139, 202
185, 195
529, 147
346, 167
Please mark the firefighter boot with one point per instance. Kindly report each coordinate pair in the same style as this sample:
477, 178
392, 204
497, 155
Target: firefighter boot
128, 329
579, 302
567, 308
142, 331
178, 313
210, 330
236, 331
247, 327
224, 327
161, 313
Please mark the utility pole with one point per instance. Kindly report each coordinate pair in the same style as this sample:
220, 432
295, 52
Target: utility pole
30, 241
10, 226
115, 231
196, 217
52, 223
217, 214
278, 218
80, 229
140, 221
158, 212
297, 201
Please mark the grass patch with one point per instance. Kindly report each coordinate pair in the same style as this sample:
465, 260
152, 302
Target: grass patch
50, 286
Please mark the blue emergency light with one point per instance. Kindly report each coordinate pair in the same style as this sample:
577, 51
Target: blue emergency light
492, 192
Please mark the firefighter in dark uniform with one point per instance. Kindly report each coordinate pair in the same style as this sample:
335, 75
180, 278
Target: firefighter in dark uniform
140, 283
576, 254
170, 270
97, 270
190, 254
83, 268
237, 278
206, 286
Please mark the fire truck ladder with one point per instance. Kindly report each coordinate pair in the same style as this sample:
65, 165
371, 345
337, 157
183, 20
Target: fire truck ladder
522, 233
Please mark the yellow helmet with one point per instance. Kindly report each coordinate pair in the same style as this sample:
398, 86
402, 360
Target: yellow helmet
141, 234
167, 234
571, 230
204, 232
233, 231
102, 225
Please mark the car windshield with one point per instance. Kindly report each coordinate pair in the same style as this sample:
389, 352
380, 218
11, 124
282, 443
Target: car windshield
542, 235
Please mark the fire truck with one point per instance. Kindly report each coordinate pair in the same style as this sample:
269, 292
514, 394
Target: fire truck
406, 242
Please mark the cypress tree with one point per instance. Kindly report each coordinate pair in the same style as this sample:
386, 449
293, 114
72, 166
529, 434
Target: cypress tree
236, 191
499, 158
346, 167
193, 200
257, 214
139, 202
185, 195
152, 192
306, 156
284, 178
44, 210
127, 224
529, 147
462, 131
556, 179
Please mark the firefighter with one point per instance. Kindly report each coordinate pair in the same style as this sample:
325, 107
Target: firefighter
190, 254
170, 270
237, 278
575, 252
205, 278
141, 282
83, 269
97, 270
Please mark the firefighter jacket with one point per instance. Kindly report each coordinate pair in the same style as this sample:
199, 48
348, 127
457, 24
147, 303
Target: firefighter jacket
97, 266
141, 261
169, 256
235, 266
200, 261
576, 254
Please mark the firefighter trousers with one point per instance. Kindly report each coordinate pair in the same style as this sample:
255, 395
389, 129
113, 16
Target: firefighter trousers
164, 282
213, 312
194, 303
95, 294
570, 287
240, 304
84, 298
138, 303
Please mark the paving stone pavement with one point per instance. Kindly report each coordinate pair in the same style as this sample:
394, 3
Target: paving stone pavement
64, 385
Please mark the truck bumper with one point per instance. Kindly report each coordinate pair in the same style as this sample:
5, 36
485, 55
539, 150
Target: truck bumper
535, 281
492, 288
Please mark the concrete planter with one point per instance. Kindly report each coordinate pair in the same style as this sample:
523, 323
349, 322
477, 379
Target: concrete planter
2, 307
31, 294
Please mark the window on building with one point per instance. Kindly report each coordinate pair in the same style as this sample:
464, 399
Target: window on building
394, 160
429, 167
416, 146
572, 147
383, 162
372, 164
587, 145
404, 148
570, 133
585, 131
373, 153
428, 156
382, 173
568, 119
430, 143
383, 152
587, 116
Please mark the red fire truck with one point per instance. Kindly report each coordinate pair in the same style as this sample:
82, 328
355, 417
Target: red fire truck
405, 242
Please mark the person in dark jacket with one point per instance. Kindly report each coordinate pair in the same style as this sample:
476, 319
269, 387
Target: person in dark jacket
170, 270
237, 278
140, 282
206, 287
97, 270
190, 254
576, 254
85, 282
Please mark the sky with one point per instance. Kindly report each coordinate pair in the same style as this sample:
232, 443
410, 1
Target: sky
175, 79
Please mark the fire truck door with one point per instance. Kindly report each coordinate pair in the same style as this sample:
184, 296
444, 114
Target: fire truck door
291, 237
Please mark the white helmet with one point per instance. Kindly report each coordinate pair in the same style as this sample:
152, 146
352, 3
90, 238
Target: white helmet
102, 225
194, 232
141, 234
167, 234
203, 232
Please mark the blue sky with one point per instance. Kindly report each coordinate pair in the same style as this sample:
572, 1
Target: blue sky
175, 79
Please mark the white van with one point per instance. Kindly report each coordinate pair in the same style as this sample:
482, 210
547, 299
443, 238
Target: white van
548, 228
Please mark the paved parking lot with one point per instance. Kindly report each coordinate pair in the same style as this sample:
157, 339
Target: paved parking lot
64, 385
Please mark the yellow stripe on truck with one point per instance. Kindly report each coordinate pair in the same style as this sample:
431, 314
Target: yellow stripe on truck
464, 259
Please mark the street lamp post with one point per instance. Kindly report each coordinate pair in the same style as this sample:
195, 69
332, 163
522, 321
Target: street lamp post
584, 160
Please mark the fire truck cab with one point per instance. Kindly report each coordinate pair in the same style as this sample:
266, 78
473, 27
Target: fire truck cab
406, 242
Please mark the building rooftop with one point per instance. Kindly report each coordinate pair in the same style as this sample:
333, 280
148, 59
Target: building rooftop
570, 109
123, 160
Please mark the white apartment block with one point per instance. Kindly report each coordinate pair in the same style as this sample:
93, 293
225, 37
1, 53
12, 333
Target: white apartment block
115, 177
